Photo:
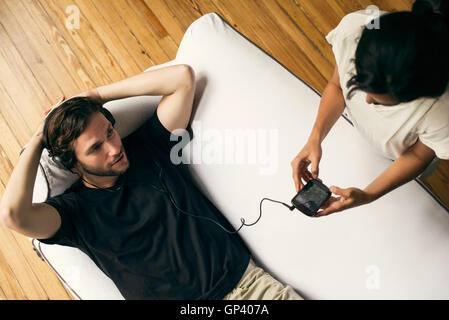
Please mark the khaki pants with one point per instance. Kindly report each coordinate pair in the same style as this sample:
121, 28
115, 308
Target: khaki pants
256, 284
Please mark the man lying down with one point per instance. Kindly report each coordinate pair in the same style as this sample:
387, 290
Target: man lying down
123, 212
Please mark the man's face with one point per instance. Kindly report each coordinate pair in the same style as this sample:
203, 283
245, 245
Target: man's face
99, 147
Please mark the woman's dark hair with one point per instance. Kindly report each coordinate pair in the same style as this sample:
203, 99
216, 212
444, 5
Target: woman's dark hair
65, 124
407, 56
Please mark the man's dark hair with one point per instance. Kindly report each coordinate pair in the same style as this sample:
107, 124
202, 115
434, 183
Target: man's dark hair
66, 123
407, 56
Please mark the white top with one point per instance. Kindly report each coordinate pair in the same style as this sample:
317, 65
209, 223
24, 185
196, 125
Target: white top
391, 129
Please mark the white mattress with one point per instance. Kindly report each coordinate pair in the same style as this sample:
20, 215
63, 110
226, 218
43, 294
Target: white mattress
394, 248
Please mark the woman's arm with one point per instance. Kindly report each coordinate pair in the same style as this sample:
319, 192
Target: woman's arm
405, 168
331, 107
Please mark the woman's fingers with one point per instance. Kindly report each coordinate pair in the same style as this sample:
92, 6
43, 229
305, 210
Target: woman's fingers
315, 169
309, 155
332, 205
307, 175
301, 175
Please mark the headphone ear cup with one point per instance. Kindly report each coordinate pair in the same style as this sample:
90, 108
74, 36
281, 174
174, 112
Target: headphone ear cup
59, 162
108, 115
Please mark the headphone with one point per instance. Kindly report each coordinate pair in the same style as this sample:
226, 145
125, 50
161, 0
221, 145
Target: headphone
61, 162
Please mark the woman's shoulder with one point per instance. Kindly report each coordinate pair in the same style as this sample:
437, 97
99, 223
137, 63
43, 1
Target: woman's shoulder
352, 24
433, 129
438, 112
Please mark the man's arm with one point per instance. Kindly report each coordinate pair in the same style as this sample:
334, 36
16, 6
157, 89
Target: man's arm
17, 212
176, 83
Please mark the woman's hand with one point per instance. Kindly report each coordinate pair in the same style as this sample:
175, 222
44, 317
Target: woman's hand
347, 198
309, 155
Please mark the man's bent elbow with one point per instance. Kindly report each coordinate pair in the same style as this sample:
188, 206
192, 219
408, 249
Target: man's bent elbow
188, 73
6, 217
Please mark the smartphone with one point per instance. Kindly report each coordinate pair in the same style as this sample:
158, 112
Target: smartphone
311, 197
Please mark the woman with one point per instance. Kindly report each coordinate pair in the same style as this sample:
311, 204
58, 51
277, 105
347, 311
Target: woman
398, 76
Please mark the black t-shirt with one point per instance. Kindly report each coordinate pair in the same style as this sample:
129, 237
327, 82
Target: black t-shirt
141, 241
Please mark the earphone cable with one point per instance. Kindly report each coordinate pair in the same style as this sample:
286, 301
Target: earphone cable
242, 220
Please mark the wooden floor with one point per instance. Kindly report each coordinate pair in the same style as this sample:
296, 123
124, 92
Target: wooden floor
41, 59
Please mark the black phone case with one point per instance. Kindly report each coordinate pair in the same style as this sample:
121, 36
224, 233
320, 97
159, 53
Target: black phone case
311, 184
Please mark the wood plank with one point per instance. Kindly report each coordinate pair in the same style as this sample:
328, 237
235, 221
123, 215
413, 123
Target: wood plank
17, 261
89, 42
48, 280
6, 167
138, 27
238, 19
338, 7
11, 113
14, 80
206, 6
386, 5
407, 4
35, 49
11, 32
10, 147
320, 14
78, 41
61, 48
292, 58
125, 35
438, 182
110, 40
185, 12
10, 287
157, 31
166, 18
2, 294
351, 5
152, 22
300, 41
304, 24
21, 69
